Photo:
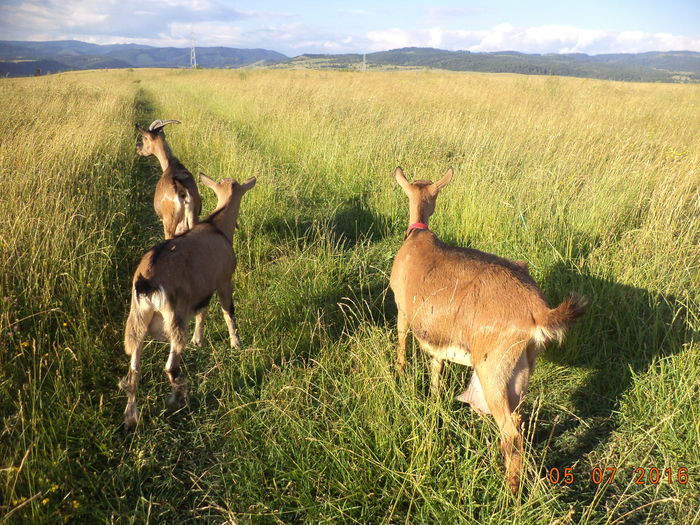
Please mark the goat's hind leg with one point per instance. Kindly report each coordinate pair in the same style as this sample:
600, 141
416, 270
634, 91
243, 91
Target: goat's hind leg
436, 366
225, 292
199, 318
200, 315
496, 380
168, 231
474, 395
175, 329
136, 328
517, 386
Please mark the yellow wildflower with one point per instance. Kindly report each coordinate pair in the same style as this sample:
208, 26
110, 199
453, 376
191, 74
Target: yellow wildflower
76, 504
44, 501
25, 343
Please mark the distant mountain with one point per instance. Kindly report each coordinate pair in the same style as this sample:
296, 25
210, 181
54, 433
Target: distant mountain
24, 58
38, 50
27, 68
675, 66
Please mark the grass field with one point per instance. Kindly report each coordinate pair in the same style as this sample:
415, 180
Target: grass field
595, 184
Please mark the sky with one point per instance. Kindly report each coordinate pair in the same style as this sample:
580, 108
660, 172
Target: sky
362, 26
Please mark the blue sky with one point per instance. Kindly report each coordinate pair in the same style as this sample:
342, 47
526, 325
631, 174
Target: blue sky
306, 26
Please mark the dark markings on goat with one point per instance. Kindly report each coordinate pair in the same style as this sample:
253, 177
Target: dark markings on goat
143, 286
157, 250
203, 304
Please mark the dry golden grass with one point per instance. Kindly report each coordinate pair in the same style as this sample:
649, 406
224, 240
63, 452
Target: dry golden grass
594, 183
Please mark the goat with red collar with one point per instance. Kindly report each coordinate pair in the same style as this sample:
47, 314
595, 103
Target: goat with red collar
475, 309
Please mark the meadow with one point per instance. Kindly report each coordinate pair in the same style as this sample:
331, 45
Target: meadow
595, 184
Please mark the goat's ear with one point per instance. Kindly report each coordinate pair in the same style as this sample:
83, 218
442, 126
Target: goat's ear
248, 185
208, 181
444, 180
401, 178
141, 130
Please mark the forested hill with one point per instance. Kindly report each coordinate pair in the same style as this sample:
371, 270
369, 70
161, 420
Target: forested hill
672, 66
24, 58
27, 58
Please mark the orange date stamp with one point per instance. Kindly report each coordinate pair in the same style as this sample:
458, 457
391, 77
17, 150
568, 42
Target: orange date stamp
640, 475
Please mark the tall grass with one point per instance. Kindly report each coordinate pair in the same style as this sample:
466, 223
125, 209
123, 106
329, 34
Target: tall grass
594, 183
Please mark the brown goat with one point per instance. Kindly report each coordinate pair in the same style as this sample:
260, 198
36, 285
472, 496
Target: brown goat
176, 200
174, 281
475, 309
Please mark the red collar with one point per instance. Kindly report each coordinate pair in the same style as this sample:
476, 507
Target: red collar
418, 226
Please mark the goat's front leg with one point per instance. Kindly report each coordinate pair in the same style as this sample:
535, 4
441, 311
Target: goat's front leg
226, 299
402, 328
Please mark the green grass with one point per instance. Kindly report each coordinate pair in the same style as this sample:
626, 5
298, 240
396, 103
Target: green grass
593, 183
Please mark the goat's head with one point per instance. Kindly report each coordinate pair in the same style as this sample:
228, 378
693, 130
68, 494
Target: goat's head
150, 137
227, 189
422, 194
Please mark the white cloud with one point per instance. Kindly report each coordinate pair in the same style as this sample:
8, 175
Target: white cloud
394, 38
216, 22
569, 39
536, 39
637, 42
128, 20
435, 37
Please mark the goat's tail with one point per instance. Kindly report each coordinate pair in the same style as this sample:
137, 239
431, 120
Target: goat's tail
559, 319
189, 207
183, 194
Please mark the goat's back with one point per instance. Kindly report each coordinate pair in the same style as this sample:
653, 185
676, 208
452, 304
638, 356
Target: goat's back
195, 261
458, 296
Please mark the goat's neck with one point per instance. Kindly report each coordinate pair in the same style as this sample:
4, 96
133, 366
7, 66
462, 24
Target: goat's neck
165, 156
224, 218
417, 214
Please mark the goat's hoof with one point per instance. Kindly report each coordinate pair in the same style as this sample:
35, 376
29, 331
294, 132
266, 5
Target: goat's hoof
130, 420
235, 342
196, 342
514, 484
176, 400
